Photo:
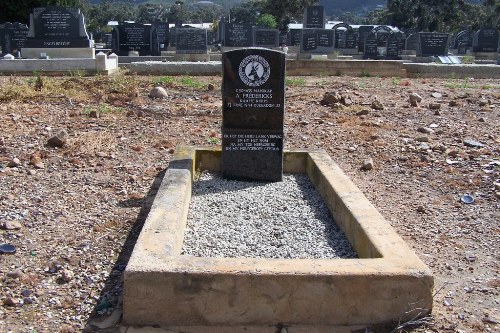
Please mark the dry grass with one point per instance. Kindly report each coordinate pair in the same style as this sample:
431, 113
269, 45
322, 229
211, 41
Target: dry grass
90, 143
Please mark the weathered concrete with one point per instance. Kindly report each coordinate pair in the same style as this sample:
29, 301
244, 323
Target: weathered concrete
176, 68
99, 64
346, 67
71, 53
452, 71
164, 288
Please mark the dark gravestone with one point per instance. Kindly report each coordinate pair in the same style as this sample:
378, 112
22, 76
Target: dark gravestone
343, 34
351, 40
266, 37
463, 38
393, 47
370, 47
314, 17
363, 31
295, 37
191, 41
252, 114
238, 34
162, 35
411, 42
485, 40
319, 41
12, 38
432, 44
57, 27
210, 38
108, 41
171, 36
135, 37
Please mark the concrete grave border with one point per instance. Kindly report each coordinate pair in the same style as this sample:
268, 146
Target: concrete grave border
163, 288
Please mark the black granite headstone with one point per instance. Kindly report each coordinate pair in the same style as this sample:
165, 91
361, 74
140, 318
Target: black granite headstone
346, 36
266, 37
295, 37
57, 27
392, 51
210, 37
314, 17
363, 31
285, 38
463, 38
432, 44
238, 35
319, 41
485, 40
370, 47
162, 35
253, 96
135, 37
13, 37
191, 40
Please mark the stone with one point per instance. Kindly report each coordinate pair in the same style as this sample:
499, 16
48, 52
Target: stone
158, 92
454, 103
13, 163
367, 164
10, 301
434, 106
15, 274
437, 95
422, 139
425, 130
331, 98
11, 225
363, 112
59, 139
67, 275
377, 105
36, 160
415, 99
473, 144
210, 87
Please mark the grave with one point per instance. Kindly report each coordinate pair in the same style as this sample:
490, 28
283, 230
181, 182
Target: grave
347, 37
462, 42
191, 45
295, 37
485, 40
135, 38
162, 35
381, 43
252, 114
411, 43
314, 17
316, 41
266, 37
58, 32
432, 44
12, 38
237, 35
363, 31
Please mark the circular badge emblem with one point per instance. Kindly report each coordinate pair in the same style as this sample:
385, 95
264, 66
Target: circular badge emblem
254, 70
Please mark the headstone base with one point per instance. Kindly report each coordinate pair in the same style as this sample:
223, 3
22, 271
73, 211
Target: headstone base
485, 55
56, 53
205, 57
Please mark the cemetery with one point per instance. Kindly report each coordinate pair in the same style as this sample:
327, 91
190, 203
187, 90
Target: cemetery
231, 177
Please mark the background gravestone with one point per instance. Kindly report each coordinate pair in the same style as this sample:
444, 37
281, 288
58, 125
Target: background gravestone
432, 44
363, 31
191, 41
266, 37
253, 96
295, 37
57, 27
12, 38
135, 37
238, 34
393, 47
162, 35
314, 17
485, 40
412, 42
318, 41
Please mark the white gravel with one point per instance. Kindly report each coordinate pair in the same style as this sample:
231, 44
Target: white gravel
287, 219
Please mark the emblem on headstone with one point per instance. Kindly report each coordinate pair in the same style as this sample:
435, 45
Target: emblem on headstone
254, 70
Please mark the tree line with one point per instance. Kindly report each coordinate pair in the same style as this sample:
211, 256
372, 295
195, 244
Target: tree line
418, 15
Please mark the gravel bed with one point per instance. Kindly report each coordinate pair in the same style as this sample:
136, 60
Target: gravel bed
287, 219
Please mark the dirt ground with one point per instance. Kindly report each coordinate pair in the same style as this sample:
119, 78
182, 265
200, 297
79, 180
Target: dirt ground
81, 159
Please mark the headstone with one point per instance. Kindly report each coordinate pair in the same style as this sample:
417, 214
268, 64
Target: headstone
318, 41
363, 31
266, 37
162, 35
285, 38
412, 42
57, 27
393, 47
381, 43
135, 37
210, 37
463, 39
108, 41
238, 35
191, 41
346, 39
432, 44
295, 37
314, 17
253, 96
370, 47
12, 38
485, 40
